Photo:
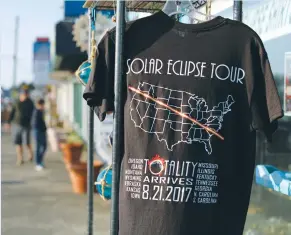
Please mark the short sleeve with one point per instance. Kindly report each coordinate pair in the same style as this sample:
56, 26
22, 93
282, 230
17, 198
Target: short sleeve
266, 106
99, 91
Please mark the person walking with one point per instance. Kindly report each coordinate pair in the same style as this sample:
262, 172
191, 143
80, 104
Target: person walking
21, 116
39, 129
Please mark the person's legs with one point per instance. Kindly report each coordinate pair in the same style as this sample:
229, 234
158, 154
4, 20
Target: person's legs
30, 152
18, 144
37, 148
19, 152
43, 147
28, 144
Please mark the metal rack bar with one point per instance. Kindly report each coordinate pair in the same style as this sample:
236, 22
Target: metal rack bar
237, 10
90, 160
118, 120
90, 181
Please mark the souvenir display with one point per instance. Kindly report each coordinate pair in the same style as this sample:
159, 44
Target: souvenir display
195, 94
274, 179
103, 183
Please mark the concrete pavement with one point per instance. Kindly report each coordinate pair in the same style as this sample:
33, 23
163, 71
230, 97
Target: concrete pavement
42, 203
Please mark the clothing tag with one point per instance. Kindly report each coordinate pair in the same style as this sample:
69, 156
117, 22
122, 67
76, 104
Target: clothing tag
181, 33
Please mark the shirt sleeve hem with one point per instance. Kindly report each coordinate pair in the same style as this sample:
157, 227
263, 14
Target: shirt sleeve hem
276, 116
273, 126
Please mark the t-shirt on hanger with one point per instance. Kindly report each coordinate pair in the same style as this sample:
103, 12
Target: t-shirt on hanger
194, 96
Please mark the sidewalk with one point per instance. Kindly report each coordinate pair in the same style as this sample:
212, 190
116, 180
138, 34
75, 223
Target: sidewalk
42, 203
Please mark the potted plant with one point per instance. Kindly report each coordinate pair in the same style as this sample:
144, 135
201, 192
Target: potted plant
78, 175
72, 148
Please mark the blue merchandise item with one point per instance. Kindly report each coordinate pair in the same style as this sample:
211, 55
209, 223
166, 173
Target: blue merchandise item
104, 183
270, 177
83, 72
84, 69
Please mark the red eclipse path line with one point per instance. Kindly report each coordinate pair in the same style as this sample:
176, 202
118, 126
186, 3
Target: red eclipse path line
209, 130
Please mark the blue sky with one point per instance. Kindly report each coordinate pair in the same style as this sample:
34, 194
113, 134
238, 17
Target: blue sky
37, 19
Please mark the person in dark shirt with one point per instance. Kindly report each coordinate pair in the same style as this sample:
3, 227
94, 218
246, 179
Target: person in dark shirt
39, 129
21, 117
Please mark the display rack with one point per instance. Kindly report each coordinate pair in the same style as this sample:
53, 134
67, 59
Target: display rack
137, 6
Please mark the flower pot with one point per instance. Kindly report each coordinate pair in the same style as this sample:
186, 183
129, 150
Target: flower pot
72, 152
78, 175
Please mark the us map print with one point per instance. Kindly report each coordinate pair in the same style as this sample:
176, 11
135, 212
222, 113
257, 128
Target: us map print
156, 109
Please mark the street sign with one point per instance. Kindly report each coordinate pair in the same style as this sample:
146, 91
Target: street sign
73, 9
41, 61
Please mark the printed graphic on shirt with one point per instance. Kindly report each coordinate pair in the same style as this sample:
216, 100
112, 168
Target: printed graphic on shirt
159, 179
194, 69
159, 110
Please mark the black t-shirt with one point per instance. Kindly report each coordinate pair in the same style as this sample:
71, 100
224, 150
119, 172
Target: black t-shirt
22, 112
38, 121
193, 96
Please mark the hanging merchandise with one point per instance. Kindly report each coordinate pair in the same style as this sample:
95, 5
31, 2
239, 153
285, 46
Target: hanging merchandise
104, 179
102, 24
103, 183
194, 96
272, 178
84, 69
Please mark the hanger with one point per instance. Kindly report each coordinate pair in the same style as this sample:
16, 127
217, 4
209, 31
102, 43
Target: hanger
173, 8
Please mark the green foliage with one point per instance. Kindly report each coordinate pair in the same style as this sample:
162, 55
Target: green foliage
74, 138
14, 93
26, 86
